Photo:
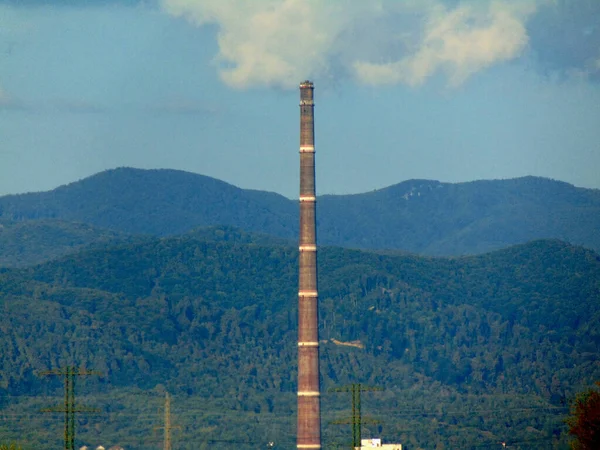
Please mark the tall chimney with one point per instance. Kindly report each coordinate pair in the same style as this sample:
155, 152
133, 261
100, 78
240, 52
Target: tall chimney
309, 401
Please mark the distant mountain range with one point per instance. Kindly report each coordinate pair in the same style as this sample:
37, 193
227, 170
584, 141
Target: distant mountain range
167, 280
420, 216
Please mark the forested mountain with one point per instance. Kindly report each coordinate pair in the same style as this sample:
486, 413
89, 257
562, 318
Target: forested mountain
34, 241
435, 218
470, 351
158, 202
420, 216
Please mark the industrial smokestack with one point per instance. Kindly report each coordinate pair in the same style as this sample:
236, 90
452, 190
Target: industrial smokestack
309, 401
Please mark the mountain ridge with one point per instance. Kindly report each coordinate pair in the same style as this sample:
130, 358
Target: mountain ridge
419, 216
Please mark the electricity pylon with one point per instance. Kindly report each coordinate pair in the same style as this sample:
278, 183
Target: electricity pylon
356, 420
69, 373
167, 426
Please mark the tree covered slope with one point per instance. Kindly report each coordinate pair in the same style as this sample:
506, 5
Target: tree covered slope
214, 321
25, 243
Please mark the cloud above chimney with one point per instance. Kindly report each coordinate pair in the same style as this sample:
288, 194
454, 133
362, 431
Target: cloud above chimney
277, 42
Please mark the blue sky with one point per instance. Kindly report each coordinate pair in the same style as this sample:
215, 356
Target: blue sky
438, 89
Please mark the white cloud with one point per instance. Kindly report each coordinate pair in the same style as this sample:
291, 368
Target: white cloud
459, 41
269, 42
279, 42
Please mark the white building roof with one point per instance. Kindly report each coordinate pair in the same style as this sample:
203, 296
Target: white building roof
376, 443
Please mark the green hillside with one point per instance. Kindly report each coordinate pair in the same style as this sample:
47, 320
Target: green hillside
434, 218
470, 351
35, 241
158, 202
419, 216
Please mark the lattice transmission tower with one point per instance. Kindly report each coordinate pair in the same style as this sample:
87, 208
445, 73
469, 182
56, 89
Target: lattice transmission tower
70, 408
167, 426
357, 419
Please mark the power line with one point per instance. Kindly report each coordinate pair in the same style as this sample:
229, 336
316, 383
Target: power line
537, 410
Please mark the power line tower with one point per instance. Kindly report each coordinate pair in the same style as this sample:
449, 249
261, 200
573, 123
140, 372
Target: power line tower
167, 426
69, 408
357, 419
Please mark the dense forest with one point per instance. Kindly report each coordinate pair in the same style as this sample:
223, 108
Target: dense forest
419, 216
26, 243
469, 351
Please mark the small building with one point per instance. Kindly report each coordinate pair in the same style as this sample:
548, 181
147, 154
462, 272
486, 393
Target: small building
376, 443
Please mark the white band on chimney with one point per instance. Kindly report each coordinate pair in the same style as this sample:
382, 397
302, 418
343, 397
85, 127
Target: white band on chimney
308, 198
309, 394
308, 248
308, 344
308, 293
307, 149
308, 446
